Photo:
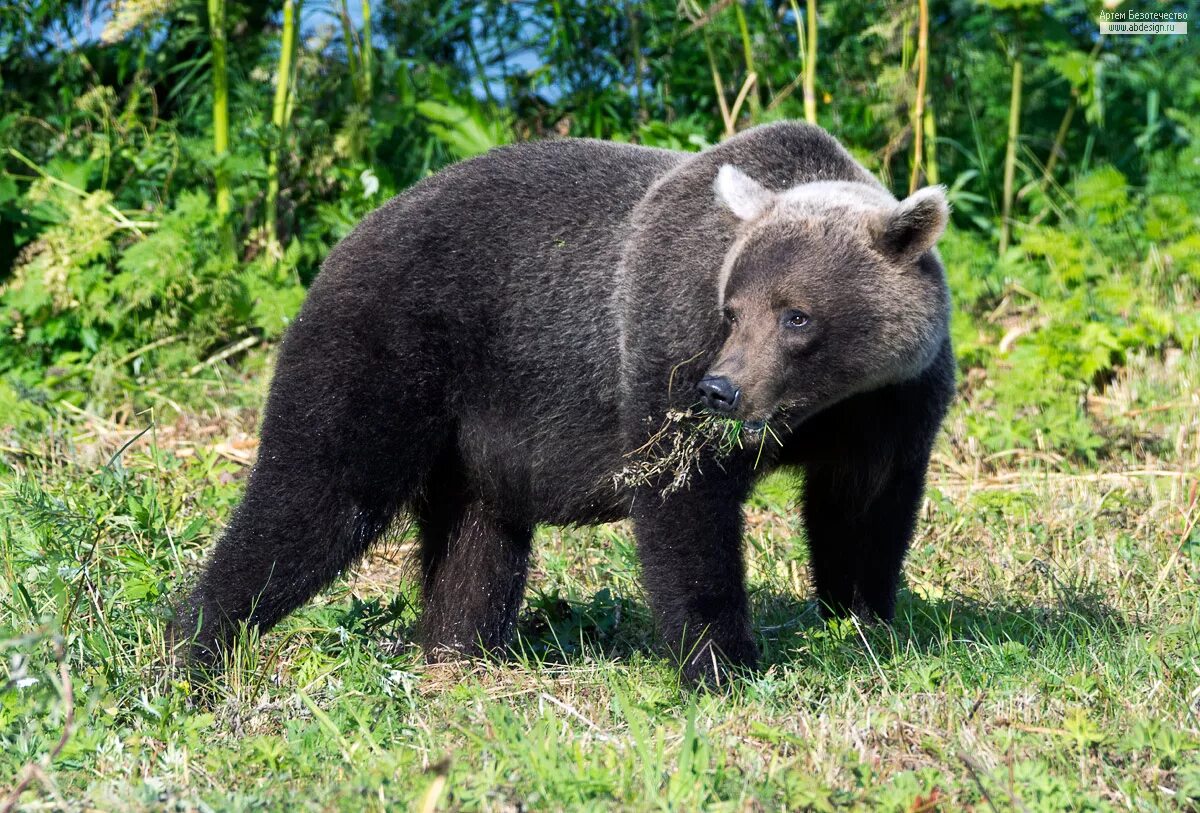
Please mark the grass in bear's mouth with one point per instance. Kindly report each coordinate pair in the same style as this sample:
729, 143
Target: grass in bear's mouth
676, 450
1046, 650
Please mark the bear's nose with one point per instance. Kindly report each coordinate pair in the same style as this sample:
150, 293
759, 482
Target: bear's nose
718, 394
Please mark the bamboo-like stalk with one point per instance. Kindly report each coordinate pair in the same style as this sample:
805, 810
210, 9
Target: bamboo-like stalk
220, 80
718, 86
1010, 154
358, 84
747, 86
279, 110
1064, 126
931, 165
810, 65
919, 105
748, 56
639, 59
352, 61
293, 80
480, 69
368, 51
1060, 138
807, 46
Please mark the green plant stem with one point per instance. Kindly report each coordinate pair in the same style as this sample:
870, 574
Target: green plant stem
639, 59
1064, 126
810, 65
748, 56
220, 81
293, 80
119, 217
919, 105
368, 51
718, 86
931, 165
352, 60
1010, 154
480, 69
279, 110
1060, 139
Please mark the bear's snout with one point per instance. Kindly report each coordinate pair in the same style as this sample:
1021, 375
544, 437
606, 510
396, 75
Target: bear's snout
719, 394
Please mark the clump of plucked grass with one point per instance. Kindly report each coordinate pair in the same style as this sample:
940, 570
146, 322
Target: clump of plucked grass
676, 451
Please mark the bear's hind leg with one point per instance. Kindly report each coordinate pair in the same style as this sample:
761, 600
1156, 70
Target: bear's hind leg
293, 533
475, 564
346, 438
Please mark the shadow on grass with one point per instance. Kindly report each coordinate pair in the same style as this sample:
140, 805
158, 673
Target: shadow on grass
789, 627
609, 626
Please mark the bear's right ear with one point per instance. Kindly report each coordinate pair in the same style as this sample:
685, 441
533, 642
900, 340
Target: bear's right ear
741, 194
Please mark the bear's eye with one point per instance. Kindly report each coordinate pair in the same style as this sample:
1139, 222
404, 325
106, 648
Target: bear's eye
729, 315
795, 319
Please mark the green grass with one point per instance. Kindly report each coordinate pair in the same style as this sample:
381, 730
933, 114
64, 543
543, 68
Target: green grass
1046, 654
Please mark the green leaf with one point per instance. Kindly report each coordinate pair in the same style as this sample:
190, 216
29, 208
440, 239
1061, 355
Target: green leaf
465, 131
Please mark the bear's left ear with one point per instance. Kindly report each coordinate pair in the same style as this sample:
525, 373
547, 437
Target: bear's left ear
741, 194
914, 226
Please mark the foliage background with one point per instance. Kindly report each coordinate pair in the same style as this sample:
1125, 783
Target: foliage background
131, 296
110, 246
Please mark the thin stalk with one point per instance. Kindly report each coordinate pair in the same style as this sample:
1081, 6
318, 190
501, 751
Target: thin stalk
931, 165
919, 106
480, 68
1064, 126
119, 217
806, 45
220, 80
368, 51
1060, 138
1010, 154
279, 109
810, 65
801, 44
293, 80
718, 86
639, 59
130, 114
354, 65
747, 86
352, 61
748, 56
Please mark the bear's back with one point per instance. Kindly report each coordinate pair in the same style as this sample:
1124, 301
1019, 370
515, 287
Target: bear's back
506, 265
516, 210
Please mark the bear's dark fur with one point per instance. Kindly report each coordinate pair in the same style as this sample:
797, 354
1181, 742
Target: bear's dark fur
487, 351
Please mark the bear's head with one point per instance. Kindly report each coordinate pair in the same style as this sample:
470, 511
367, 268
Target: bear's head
829, 289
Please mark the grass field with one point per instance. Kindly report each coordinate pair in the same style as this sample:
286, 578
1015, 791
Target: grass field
1046, 653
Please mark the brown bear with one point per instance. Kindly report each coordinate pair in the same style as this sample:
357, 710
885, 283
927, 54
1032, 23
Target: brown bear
576, 332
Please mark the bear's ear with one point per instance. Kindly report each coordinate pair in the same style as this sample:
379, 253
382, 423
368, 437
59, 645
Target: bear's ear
913, 227
741, 194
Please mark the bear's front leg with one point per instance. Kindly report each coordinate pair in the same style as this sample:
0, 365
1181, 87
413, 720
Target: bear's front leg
860, 520
865, 463
690, 548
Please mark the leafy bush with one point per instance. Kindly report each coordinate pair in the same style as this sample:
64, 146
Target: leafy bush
116, 269
1051, 322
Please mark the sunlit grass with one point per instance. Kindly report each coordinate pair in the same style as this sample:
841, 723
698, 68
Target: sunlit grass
1045, 656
